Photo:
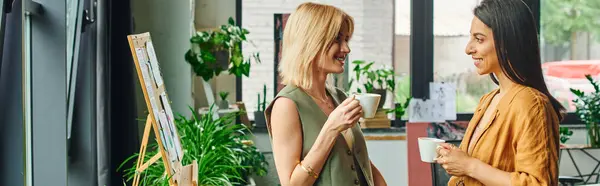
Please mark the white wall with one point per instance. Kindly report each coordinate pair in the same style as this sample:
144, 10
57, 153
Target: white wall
170, 26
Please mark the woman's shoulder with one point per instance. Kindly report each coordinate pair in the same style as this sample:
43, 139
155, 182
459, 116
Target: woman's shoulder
530, 98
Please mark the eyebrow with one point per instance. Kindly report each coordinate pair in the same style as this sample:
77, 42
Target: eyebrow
478, 34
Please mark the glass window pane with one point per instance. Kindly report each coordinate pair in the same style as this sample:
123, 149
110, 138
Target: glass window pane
570, 41
451, 25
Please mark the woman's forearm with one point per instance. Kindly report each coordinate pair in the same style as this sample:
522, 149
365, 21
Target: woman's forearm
315, 158
489, 175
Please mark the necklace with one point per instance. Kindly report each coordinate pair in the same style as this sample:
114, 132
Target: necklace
324, 101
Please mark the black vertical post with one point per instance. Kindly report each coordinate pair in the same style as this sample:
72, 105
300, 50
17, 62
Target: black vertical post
421, 47
123, 128
277, 19
238, 20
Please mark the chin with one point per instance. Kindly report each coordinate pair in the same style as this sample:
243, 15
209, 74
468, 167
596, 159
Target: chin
338, 71
483, 72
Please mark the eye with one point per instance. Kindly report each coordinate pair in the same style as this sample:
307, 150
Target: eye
338, 39
479, 40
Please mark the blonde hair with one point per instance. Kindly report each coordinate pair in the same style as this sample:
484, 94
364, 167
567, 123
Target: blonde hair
309, 32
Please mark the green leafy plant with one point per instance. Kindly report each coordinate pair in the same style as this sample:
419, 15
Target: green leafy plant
219, 146
227, 39
223, 95
376, 78
565, 133
261, 105
400, 108
588, 109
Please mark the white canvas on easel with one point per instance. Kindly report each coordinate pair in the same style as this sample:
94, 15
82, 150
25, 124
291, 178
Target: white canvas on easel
160, 116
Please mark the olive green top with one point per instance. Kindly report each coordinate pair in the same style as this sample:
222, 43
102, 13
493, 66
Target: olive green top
345, 165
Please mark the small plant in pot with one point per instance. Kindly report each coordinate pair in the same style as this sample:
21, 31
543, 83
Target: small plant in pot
259, 114
214, 51
588, 110
223, 103
378, 81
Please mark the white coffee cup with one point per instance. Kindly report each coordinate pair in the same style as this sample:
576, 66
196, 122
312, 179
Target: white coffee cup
427, 148
369, 103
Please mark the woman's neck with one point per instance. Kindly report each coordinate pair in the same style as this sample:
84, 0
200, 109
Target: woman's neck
504, 82
318, 88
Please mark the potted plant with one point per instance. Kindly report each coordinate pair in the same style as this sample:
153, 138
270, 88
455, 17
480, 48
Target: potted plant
214, 51
259, 114
588, 109
378, 81
224, 154
223, 103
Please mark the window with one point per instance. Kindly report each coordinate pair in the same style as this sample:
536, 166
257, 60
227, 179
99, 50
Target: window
570, 41
451, 24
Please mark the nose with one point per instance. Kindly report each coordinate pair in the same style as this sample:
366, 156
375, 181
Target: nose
345, 48
469, 49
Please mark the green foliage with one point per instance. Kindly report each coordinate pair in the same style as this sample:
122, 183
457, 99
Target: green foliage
219, 147
223, 95
376, 78
402, 92
261, 105
399, 111
560, 19
565, 133
588, 110
228, 39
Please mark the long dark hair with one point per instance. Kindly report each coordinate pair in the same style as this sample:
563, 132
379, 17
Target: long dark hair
516, 40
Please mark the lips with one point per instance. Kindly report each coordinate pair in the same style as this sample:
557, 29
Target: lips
340, 58
477, 61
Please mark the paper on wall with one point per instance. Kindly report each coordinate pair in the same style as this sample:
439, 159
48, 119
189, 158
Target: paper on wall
431, 110
446, 92
154, 64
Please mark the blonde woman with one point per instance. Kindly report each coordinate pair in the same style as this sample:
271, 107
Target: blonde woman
312, 126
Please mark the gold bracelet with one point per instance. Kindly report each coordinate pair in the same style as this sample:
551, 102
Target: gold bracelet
308, 170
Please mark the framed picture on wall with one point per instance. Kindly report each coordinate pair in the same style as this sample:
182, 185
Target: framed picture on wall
280, 20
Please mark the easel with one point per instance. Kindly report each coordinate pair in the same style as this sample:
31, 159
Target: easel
160, 118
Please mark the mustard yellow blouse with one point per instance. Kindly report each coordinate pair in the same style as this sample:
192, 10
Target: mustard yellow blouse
521, 138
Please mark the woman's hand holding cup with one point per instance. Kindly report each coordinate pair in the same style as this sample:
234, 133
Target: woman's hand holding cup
345, 115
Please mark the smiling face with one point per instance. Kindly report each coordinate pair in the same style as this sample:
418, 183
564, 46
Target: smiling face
335, 56
482, 49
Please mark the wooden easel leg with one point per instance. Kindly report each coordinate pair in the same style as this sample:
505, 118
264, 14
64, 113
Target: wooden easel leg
142, 154
189, 175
